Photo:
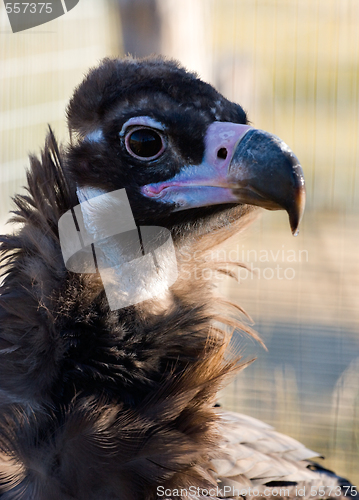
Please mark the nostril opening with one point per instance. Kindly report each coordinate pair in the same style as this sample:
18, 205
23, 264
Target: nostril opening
222, 153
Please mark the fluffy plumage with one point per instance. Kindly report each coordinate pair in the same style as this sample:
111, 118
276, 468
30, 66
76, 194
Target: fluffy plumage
101, 404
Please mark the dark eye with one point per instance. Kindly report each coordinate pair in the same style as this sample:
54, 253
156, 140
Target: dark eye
144, 143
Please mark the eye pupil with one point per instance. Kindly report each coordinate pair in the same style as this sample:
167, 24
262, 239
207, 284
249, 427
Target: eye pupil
145, 143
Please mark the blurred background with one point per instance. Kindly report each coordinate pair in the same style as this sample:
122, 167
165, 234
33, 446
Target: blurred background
293, 65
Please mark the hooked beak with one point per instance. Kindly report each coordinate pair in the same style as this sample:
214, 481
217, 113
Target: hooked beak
240, 165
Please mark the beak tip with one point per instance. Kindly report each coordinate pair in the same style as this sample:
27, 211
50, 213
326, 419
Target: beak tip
296, 211
268, 174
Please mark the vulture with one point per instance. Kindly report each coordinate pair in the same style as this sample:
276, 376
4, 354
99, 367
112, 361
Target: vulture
113, 344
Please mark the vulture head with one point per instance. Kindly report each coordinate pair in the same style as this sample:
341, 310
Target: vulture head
184, 153
102, 400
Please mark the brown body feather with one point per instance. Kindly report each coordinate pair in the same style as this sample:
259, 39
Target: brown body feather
95, 402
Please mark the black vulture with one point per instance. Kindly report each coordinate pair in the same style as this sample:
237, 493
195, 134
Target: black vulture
111, 347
